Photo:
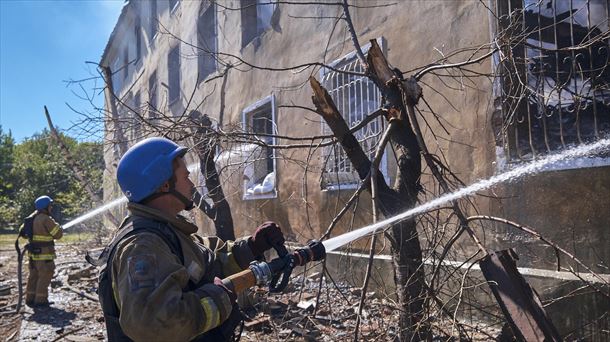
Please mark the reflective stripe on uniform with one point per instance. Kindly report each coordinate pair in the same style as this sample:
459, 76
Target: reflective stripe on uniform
42, 256
55, 230
42, 238
212, 314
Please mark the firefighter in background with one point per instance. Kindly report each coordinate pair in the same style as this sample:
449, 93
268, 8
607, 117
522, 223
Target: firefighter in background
161, 281
41, 251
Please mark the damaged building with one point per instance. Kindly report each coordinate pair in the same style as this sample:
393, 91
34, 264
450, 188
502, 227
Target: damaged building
246, 64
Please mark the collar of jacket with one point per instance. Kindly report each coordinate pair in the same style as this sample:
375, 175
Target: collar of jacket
178, 222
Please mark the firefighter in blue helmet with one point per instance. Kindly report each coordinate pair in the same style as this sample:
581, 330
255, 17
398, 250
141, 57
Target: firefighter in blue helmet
162, 281
41, 230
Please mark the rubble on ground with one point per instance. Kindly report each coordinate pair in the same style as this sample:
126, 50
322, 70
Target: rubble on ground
298, 314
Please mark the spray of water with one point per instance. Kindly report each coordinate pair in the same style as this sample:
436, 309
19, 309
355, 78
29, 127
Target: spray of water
110, 205
95, 212
531, 168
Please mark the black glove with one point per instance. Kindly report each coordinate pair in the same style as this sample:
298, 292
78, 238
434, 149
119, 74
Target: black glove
265, 237
232, 296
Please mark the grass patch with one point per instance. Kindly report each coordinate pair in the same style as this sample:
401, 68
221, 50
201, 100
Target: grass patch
9, 239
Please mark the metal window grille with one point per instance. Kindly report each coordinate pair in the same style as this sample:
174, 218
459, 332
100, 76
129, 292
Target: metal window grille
556, 86
355, 97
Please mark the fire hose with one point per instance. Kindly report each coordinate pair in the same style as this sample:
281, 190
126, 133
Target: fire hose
275, 273
20, 254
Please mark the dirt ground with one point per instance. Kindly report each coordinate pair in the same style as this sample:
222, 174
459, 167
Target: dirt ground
76, 316
71, 317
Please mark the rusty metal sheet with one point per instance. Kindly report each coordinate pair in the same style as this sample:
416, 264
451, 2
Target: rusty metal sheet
518, 301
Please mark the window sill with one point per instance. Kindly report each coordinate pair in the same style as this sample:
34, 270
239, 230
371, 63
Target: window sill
502, 165
269, 195
339, 187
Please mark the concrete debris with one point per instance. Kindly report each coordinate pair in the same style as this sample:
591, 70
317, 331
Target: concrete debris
307, 305
5, 290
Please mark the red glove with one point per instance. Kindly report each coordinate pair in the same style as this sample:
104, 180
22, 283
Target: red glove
265, 237
232, 296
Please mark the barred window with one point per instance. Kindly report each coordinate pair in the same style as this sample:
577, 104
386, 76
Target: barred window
555, 75
355, 97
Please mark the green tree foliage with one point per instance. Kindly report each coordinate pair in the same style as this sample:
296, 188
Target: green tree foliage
7, 186
37, 167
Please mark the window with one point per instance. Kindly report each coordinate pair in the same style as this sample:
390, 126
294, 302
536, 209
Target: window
153, 21
117, 77
138, 36
173, 69
173, 4
125, 65
355, 97
259, 171
137, 123
207, 38
152, 96
255, 19
556, 89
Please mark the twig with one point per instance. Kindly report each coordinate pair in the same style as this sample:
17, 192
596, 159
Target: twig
68, 333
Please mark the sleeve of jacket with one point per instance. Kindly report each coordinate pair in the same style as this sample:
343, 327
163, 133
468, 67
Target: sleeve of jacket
148, 283
231, 256
53, 228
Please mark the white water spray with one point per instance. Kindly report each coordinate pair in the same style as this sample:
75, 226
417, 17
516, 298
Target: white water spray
95, 212
110, 205
533, 167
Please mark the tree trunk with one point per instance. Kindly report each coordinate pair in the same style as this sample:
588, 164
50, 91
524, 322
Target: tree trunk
220, 212
406, 250
409, 274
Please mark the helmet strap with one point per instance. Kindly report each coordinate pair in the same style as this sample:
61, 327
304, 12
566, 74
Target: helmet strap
188, 203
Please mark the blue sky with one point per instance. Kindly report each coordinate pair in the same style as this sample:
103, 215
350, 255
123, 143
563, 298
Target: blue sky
42, 44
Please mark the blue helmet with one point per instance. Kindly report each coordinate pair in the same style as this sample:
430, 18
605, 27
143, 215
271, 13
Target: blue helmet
42, 202
146, 166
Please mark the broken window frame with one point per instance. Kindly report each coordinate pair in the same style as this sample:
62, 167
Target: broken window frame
265, 105
534, 112
206, 56
343, 176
